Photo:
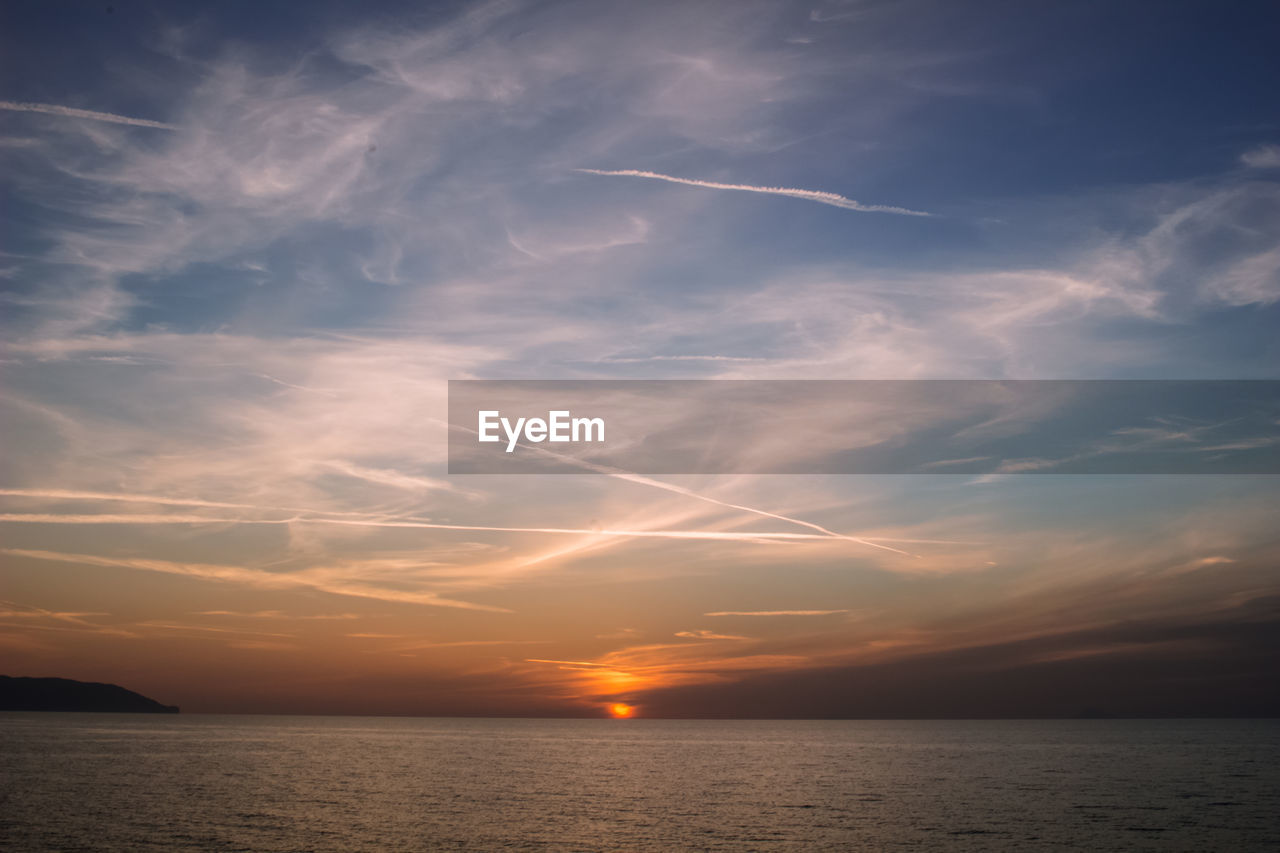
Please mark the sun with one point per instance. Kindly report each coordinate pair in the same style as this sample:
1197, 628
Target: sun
621, 710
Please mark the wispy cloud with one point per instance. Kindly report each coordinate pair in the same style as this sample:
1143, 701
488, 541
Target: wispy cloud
274, 614
72, 112
458, 644
318, 579
397, 479
646, 667
775, 612
68, 621
702, 634
1262, 157
205, 629
652, 358
819, 196
621, 634
567, 662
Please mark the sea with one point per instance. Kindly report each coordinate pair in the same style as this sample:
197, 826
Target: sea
272, 783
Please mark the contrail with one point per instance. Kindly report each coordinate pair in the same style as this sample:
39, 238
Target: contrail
74, 495
621, 474
72, 112
832, 199
721, 536
827, 534
376, 520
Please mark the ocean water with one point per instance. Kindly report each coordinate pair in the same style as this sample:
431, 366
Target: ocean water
192, 782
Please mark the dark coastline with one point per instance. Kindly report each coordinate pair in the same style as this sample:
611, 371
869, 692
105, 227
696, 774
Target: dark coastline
65, 694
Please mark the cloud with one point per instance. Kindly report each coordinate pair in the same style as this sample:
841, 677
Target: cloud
275, 614
458, 644
621, 634
566, 662
71, 112
708, 635
546, 244
775, 612
808, 195
1262, 157
1202, 247
628, 671
318, 579
205, 629
653, 358
30, 617
392, 478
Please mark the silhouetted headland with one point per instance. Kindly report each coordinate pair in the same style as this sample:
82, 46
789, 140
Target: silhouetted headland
64, 694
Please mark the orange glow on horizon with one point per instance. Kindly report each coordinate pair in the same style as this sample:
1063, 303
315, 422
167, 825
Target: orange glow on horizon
621, 711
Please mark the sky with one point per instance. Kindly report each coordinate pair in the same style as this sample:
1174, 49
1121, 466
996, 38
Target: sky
246, 245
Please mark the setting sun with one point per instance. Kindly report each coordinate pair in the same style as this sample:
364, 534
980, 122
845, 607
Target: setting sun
621, 711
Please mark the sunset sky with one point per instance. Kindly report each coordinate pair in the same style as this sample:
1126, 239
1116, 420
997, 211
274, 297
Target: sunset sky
245, 247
